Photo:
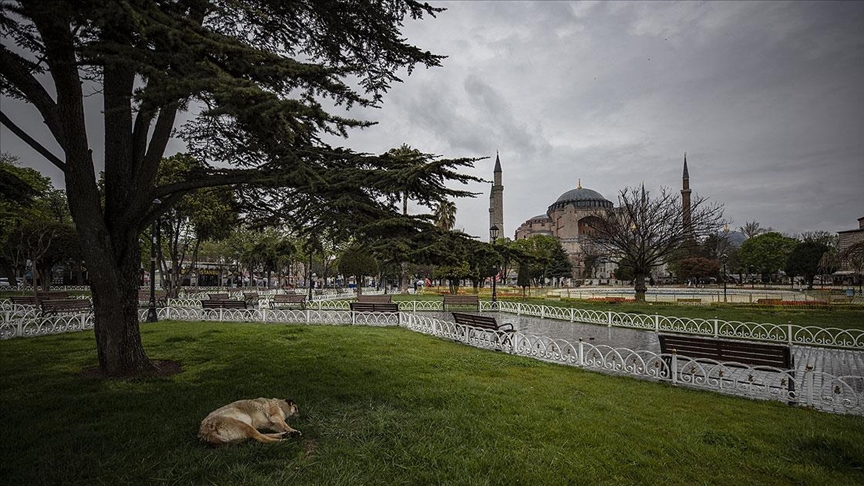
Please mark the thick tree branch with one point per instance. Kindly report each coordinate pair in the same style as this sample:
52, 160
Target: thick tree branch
158, 141
13, 68
31, 141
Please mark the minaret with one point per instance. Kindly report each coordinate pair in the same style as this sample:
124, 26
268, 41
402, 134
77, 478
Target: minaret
496, 200
685, 198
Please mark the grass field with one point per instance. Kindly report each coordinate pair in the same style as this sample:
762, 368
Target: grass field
388, 406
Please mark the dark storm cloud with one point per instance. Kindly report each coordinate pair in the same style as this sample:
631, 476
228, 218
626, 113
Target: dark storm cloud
765, 98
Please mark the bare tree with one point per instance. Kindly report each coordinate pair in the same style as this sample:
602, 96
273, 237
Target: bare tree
644, 230
852, 257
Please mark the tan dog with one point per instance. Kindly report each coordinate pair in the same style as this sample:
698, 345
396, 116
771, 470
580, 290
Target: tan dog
240, 421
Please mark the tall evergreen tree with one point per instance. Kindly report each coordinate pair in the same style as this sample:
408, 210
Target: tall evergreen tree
252, 79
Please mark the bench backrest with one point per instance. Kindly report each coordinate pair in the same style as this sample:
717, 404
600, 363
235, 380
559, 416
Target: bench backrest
486, 322
58, 306
374, 307
218, 296
290, 298
250, 295
749, 353
380, 299
223, 304
54, 295
461, 299
23, 299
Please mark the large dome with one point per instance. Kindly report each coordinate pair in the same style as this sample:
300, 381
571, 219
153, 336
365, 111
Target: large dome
581, 198
581, 194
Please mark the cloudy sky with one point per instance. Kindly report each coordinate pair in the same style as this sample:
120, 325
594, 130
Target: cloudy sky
767, 99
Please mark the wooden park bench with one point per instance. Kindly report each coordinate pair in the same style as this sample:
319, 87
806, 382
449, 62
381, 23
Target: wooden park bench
461, 300
288, 301
53, 295
218, 296
223, 304
480, 321
53, 307
721, 350
24, 299
384, 307
689, 300
160, 295
378, 299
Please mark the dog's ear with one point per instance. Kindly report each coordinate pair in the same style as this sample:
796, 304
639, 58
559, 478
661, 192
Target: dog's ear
289, 401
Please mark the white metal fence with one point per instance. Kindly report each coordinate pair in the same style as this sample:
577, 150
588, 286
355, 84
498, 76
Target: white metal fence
811, 388
778, 333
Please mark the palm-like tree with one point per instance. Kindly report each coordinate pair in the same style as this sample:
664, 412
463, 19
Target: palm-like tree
445, 214
752, 228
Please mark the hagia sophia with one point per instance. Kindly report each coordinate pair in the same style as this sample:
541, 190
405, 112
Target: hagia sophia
568, 219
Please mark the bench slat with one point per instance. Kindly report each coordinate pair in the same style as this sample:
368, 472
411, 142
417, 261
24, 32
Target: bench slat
483, 322
223, 304
753, 354
389, 308
288, 299
65, 306
378, 299
461, 300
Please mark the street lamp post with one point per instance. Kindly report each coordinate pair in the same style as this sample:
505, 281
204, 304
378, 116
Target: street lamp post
493, 235
724, 258
152, 316
151, 309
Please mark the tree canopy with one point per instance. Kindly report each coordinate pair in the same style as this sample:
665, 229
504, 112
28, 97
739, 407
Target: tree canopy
804, 260
259, 85
766, 253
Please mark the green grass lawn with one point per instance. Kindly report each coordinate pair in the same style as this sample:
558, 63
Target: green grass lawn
388, 406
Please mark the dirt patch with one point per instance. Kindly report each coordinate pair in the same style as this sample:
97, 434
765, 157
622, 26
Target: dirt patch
161, 368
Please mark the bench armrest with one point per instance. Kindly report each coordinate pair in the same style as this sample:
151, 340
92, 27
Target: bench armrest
502, 326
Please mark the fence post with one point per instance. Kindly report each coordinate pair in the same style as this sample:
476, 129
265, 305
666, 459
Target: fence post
220, 314
572, 314
609, 319
715, 327
414, 306
808, 383
581, 352
789, 330
519, 308
656, 322
542, 312
673, 367
264, 314
307, 315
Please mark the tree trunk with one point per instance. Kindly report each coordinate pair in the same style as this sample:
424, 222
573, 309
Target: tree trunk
640, 286
113, 267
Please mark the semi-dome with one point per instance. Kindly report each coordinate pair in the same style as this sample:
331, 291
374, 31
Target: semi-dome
581, 197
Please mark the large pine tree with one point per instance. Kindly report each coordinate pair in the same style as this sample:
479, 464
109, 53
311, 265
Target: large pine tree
251, 78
